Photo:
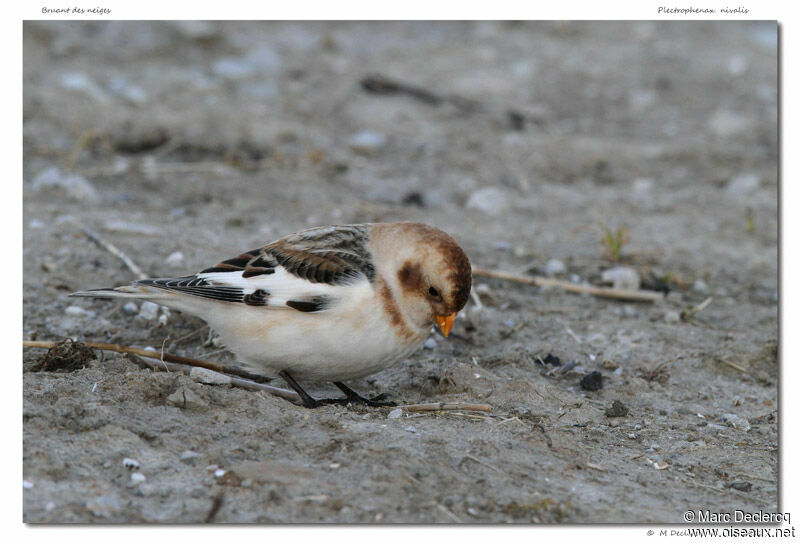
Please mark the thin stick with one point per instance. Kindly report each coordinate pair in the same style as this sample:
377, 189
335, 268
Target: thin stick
734, 366
603, 292
172, 362
111, 248
442, 406
692, 311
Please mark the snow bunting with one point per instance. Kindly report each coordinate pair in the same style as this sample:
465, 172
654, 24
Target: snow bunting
329, 303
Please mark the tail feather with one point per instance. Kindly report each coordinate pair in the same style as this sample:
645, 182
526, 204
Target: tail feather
128, 291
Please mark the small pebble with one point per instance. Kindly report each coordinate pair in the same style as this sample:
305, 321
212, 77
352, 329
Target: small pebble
489, 200
592, 381
77, 311
148, 311
430, 343
130, 308
617, 409
410, 429
672, 317
175, 259
27, 485
622, 278
742, 486
700, 286
735, 421
189, 456
76, 187
554, 267
219, 472
209, 377
36, 224
137, 478
130, 464
728, 123
367, 142
743, 184
186, 398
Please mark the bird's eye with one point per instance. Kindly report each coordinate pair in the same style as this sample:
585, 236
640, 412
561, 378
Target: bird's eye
433, 292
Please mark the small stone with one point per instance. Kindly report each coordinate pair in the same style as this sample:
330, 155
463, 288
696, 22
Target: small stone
610, 365
727, 123
80, 82
554, 267
189, 456
219, 472
76, 187
209, 377
743, 185
617, 409
130, 308
395, 414
130, 464
700, 286
148, 311
36, 224
26, 485
622, 278
77, 311
489, 200
735, 421
137, 478
592, 381
736, 65
410, 429
367, 142
186, 398
742, 486
642, 186
672, 317
175, 259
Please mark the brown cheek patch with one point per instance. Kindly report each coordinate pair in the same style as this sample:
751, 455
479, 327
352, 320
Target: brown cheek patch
410, 276
389, 306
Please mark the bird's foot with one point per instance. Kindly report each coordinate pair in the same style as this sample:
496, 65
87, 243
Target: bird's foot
354, 397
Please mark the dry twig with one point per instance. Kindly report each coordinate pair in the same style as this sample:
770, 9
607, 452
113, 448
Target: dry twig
172, 362
602, 292
442, 406
111, 248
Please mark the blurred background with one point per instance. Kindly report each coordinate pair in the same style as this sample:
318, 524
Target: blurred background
564, 149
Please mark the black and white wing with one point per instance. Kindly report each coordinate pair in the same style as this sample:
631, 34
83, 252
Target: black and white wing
306, 271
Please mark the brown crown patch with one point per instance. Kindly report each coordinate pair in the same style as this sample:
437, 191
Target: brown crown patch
461, 275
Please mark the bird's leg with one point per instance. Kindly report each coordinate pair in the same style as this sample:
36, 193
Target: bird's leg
353, 396
308, 401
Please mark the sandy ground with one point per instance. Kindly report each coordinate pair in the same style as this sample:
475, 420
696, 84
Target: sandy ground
522, 140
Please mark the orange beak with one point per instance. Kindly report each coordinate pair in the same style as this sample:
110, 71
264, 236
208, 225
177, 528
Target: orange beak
445, 323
